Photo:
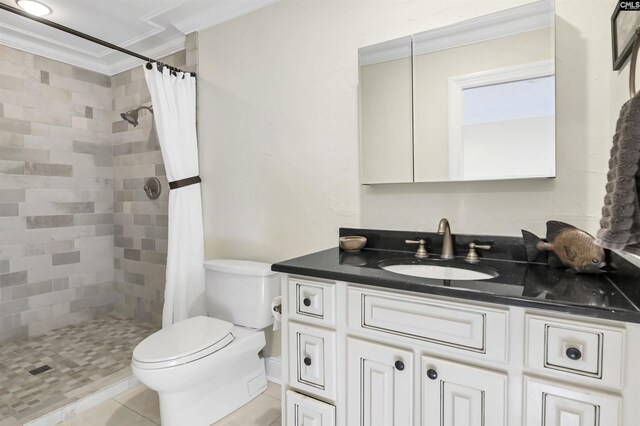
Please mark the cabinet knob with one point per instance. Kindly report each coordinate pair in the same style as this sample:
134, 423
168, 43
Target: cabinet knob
399, 365
574, 353
432, 374
307, 301
307, 361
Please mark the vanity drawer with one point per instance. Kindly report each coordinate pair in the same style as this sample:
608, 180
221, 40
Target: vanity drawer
548, 403
478, 329
303, 410
570, 348
312, 359
312, 301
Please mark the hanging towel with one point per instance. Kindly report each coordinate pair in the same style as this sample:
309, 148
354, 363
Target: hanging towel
620, 223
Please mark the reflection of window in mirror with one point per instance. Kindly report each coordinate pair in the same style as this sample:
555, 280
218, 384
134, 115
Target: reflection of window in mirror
502, 124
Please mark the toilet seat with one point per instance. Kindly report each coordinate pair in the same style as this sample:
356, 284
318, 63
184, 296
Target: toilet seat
182, 342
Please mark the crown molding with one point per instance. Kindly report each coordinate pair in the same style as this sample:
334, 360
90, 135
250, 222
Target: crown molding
386, 51
172, 46
517, 20
71, 58
55, 53
106, 61
218, 15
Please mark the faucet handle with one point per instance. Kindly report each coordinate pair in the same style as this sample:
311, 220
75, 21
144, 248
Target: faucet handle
422, 251
472, 255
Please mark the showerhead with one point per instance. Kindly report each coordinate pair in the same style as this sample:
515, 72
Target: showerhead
131, 116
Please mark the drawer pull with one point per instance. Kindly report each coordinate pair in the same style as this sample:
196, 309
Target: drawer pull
574, 353
432, 374
307, 361
399, 365
307, 301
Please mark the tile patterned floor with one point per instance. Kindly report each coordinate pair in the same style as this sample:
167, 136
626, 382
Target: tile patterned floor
139, 406
83, 357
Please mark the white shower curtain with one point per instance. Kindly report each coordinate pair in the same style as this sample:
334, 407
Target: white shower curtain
174, 110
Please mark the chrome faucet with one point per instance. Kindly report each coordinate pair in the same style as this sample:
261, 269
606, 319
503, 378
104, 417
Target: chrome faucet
447, 243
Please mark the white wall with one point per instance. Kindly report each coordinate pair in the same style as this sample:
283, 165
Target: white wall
279, 124
278, 132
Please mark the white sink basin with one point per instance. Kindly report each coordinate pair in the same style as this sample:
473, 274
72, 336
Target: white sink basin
441, 272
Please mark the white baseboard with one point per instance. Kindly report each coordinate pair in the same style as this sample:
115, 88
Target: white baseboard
273, 365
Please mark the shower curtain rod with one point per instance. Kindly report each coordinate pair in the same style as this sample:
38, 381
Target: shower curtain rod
87, 37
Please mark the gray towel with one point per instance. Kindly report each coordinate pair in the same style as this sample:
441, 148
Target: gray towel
620, 223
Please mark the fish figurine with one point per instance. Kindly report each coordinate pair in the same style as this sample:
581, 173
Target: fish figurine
574, 248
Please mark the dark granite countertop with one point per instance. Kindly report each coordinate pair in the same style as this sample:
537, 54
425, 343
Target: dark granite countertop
614, 294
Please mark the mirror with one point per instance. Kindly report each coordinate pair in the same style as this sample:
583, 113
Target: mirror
386, 123
471, 101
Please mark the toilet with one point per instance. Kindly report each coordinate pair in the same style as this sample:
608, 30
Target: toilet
206, 367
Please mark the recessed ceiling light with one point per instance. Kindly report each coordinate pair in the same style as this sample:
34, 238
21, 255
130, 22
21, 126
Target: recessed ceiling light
33, 7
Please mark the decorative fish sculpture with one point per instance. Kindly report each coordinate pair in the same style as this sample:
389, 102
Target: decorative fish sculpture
574, 248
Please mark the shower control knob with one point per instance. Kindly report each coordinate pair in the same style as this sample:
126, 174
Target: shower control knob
399, 365
432, 374
307, 361
574, 354
307, 301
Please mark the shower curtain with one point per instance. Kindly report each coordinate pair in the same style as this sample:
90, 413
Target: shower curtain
174, 109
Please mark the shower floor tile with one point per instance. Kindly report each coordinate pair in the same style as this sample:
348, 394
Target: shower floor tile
84, 358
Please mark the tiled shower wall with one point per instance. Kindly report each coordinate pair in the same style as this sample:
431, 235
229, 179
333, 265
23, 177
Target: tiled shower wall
140, 223
71, 176
56, 195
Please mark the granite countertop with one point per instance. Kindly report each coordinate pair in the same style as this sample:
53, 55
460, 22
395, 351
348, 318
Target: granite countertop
614, 294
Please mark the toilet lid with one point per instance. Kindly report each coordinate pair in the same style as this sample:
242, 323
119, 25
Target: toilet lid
182, 342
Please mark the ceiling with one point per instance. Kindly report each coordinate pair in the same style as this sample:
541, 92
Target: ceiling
153, 28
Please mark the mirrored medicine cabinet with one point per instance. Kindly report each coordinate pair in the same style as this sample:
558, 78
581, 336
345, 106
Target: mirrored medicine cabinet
471, 101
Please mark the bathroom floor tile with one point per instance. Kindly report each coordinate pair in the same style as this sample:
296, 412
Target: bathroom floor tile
277, 422
143, 401
262, 411
110, 413
139, 406
273, 390
84, 358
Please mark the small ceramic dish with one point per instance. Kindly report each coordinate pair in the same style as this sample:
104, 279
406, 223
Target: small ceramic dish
352, 243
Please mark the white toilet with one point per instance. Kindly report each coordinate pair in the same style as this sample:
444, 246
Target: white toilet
204, 368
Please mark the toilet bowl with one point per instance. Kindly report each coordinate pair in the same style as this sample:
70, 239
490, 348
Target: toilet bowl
204, 368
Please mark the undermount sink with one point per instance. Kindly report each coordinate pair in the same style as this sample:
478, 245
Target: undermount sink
439, 270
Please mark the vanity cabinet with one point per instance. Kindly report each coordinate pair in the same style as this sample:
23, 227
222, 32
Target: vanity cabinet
304, 411
554, 404
379, 384
374, 356
458, 394
312, 351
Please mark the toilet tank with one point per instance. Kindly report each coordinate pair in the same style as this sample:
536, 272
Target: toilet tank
241, 291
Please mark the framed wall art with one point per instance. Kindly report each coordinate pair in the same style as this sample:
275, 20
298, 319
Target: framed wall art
623, 33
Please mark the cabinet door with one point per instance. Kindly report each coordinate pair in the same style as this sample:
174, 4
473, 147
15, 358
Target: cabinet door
553, 404
305, 411
312, 359
379, 385
461, 395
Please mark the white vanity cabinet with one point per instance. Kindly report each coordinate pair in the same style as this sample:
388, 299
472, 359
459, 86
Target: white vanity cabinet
362, 355
379, 384
455, 394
